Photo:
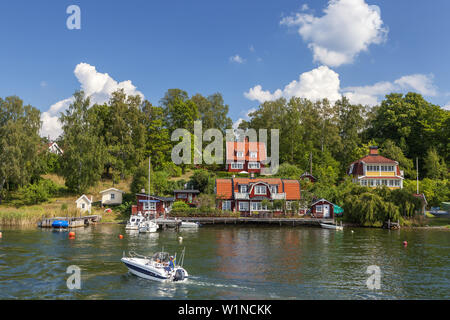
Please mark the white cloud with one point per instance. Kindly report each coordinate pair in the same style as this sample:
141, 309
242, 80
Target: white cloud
318, 83
43, 84
251, 48
346, 28
99, 86
323, 82
421, 83
304, 7
447, 107
246, 117
237, 59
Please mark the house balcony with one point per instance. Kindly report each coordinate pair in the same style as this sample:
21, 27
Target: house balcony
245, 196
278, 196
241, 196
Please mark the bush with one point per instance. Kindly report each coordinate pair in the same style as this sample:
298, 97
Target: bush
180, 205
38, 192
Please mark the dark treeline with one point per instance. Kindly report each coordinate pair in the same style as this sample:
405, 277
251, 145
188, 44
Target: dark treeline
115, 139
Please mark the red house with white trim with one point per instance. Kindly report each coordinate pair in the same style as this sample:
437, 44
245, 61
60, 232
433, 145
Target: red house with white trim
245, 156
245, 195
152, 206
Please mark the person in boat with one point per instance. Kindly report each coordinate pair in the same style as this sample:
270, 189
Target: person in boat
171, 262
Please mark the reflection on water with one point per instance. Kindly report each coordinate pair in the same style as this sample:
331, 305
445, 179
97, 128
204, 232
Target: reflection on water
228, 262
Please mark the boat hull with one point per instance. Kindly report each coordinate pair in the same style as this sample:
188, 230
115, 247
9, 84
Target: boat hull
333, 227
138, 268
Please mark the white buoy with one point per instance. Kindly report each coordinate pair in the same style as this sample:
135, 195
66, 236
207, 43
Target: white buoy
180, 239
353, 231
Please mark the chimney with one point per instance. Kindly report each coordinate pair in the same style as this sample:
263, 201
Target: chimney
252, 175
373, 150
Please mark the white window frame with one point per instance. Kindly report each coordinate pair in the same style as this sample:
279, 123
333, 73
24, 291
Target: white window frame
237, 165
319, 208
226, 205
243, 206
259, 188
112, 196
254, 165
240, 154
243, 187
254, 154
288, 205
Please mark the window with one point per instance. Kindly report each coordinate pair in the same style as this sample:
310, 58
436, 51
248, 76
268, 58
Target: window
319, 208
239, 154
257, 206
253, 154
243, 206
253, 165
351, 169
288, 205
274, 189
182, 196
243, 189
226, 205
152, 205
260, 190
83, 206
113, 196
237, 165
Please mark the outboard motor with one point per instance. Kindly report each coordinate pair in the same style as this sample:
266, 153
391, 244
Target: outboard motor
179, 275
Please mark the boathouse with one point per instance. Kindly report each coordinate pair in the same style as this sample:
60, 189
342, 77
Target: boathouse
322, 209
84, 203
112, 196
153, 206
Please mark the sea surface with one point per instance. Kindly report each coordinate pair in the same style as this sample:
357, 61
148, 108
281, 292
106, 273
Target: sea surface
229, 262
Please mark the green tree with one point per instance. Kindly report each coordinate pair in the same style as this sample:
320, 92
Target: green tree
435, 166
84, 152
19, 143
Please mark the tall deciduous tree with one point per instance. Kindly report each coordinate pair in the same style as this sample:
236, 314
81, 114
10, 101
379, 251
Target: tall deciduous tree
84, 151
19, 143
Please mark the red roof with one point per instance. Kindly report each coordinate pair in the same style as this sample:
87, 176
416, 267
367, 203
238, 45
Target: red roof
225, 187
246, 147
375, 159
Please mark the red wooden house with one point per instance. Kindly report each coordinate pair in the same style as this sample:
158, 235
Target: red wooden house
246, 195
152, 206
245, 156
322, 209
188, 196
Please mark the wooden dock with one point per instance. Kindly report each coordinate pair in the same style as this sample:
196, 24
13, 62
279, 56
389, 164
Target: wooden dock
167, 223
293, 222
74, 222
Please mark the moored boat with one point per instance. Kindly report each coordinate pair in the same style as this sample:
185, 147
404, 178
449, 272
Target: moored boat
331, 226
135, 220
148, 226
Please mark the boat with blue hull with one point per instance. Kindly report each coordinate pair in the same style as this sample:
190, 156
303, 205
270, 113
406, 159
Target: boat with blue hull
160, 267
60, 224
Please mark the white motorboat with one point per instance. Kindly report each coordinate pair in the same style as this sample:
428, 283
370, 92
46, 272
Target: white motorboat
160, 267
190, 225
148, 226
135, 220
331, 226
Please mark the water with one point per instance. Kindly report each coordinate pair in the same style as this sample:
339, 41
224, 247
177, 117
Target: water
229, 262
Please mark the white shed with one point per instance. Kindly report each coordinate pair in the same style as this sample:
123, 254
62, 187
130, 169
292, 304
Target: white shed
84, 203
111, 196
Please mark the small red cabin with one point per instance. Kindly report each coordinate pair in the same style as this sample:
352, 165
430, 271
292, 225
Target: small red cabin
308, 176
152, 205
188, 196
322, 209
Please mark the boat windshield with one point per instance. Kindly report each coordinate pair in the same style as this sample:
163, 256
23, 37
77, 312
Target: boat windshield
161, 256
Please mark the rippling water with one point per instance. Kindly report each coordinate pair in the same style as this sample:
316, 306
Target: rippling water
229, 262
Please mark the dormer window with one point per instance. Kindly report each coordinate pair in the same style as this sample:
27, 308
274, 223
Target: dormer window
244, 189
239, 154
253, 154
260, 190
274, 189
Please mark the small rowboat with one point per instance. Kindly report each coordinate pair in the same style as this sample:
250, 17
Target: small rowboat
331, 226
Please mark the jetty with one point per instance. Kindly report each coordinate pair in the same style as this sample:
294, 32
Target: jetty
167, 223
268, 221
74, 222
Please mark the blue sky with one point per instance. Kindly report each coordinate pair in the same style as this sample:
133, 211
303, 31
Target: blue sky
250, 51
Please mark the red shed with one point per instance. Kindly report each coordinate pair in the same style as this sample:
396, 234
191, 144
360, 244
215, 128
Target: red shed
322, 209
188, 196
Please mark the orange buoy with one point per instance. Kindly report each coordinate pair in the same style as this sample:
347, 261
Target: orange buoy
120, 236
71, 234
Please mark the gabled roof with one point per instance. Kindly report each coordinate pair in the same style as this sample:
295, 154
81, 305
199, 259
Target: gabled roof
111, 189
375, 158
321, 200
233, 146
225, 188
85, 198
